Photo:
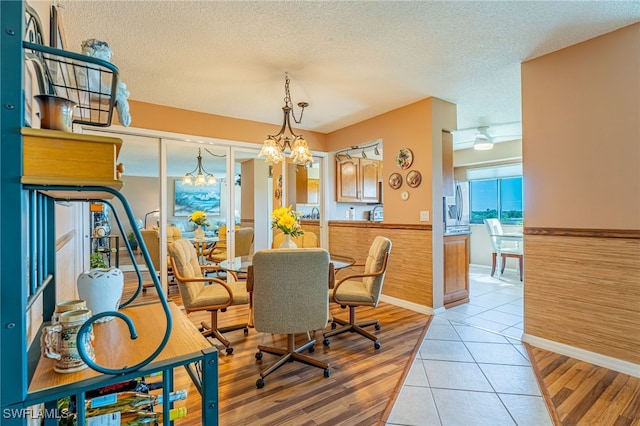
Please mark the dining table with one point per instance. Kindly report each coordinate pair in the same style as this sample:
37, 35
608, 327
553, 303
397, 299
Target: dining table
202, 244
241, 264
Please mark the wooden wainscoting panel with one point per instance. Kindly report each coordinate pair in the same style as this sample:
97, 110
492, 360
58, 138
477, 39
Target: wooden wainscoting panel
409, 273
584, 292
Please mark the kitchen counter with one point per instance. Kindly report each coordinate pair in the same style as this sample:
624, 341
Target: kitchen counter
450, 234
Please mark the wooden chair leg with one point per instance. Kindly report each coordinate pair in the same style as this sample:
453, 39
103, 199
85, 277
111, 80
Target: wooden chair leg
520, 265
504, 263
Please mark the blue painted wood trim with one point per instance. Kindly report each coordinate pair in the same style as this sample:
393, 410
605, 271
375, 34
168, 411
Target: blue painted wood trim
13, 212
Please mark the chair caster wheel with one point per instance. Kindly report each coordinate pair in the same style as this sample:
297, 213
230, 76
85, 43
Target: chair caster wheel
246, 331
327, 372
377, 327
376, 345
229, 350
312, 349
258, 356
326, 342
333, 325
260, 383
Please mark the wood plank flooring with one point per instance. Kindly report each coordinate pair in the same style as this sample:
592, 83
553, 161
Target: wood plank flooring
580, 393
360, 391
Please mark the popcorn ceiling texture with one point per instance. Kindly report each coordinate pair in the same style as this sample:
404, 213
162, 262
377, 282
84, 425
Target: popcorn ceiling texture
350, 60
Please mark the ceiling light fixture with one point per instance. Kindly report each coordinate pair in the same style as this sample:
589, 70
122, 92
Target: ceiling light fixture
275, 145
483, 141
202, 177
359, 149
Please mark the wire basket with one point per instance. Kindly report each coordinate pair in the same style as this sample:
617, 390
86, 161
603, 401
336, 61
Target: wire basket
89, 82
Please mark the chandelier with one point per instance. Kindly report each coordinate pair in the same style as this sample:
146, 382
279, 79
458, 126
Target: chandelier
275, 145
202, 177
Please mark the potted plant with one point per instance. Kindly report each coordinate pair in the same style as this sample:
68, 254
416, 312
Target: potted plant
96, 261
131, 237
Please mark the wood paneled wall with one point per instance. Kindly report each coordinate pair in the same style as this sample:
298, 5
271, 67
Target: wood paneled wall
583, 289
409, 273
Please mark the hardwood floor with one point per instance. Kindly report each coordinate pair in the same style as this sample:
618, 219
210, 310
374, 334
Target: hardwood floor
360, 391
579, 393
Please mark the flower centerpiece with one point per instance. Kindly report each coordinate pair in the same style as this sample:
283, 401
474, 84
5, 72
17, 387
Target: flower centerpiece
199, 217
287, 220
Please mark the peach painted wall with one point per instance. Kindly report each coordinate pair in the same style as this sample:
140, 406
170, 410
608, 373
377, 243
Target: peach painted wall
581, 134
581, 164
415, 126
169, 119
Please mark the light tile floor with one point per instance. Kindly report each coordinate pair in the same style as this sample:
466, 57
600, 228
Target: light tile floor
472, 368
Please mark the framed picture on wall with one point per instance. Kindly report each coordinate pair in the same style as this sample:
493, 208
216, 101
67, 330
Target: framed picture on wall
189, 198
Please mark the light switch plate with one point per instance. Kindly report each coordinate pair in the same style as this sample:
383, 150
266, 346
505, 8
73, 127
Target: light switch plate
424, 216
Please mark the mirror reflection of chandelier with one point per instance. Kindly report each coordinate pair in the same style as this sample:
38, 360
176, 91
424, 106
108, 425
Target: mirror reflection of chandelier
202, 177
275, 145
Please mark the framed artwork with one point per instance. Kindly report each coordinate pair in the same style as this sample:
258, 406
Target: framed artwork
404, 159
188, 198
395, 180
414, 178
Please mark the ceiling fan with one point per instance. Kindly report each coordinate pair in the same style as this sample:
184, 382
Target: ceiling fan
484, 137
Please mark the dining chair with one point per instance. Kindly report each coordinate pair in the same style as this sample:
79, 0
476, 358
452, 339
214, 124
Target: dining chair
244, 243
290, 296
362, 289
201, 293
506, 250
151, 240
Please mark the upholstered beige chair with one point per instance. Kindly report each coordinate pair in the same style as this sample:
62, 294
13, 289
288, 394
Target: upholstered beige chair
306, 240
507, 248
151, 240
361, 290
200, 293
290, 296
244, 243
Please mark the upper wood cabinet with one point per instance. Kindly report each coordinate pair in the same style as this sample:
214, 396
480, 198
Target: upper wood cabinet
307, 187
357, 181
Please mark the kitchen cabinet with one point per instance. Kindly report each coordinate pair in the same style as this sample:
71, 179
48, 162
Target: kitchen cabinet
456, 269
357, 181
307, 186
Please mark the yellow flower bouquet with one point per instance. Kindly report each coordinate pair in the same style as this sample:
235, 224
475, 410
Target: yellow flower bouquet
199, 218
286, 220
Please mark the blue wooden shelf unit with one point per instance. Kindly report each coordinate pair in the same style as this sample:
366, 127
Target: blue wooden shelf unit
39, 168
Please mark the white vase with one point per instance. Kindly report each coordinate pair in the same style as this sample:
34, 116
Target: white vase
102, 289
198, 233
287, 243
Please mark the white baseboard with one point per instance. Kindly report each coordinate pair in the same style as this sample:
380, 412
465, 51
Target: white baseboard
407, 305
611, 363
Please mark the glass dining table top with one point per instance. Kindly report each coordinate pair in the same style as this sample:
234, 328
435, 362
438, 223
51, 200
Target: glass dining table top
242, 263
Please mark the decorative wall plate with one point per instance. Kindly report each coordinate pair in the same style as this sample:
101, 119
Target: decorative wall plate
404, 159
404, 195
414, 178
395, 180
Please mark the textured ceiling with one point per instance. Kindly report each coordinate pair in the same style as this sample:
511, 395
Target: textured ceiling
350, 60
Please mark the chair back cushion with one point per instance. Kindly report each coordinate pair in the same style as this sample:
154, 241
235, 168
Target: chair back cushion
244, 240
380, 247
186, 263
290, 290
152, 242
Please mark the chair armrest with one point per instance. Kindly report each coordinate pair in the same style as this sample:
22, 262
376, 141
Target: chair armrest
332, 276
363, 275
250, 278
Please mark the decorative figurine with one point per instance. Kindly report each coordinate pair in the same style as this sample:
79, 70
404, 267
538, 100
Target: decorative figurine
101, 50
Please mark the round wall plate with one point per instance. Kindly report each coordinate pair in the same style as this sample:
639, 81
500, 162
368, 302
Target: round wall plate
404, 195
